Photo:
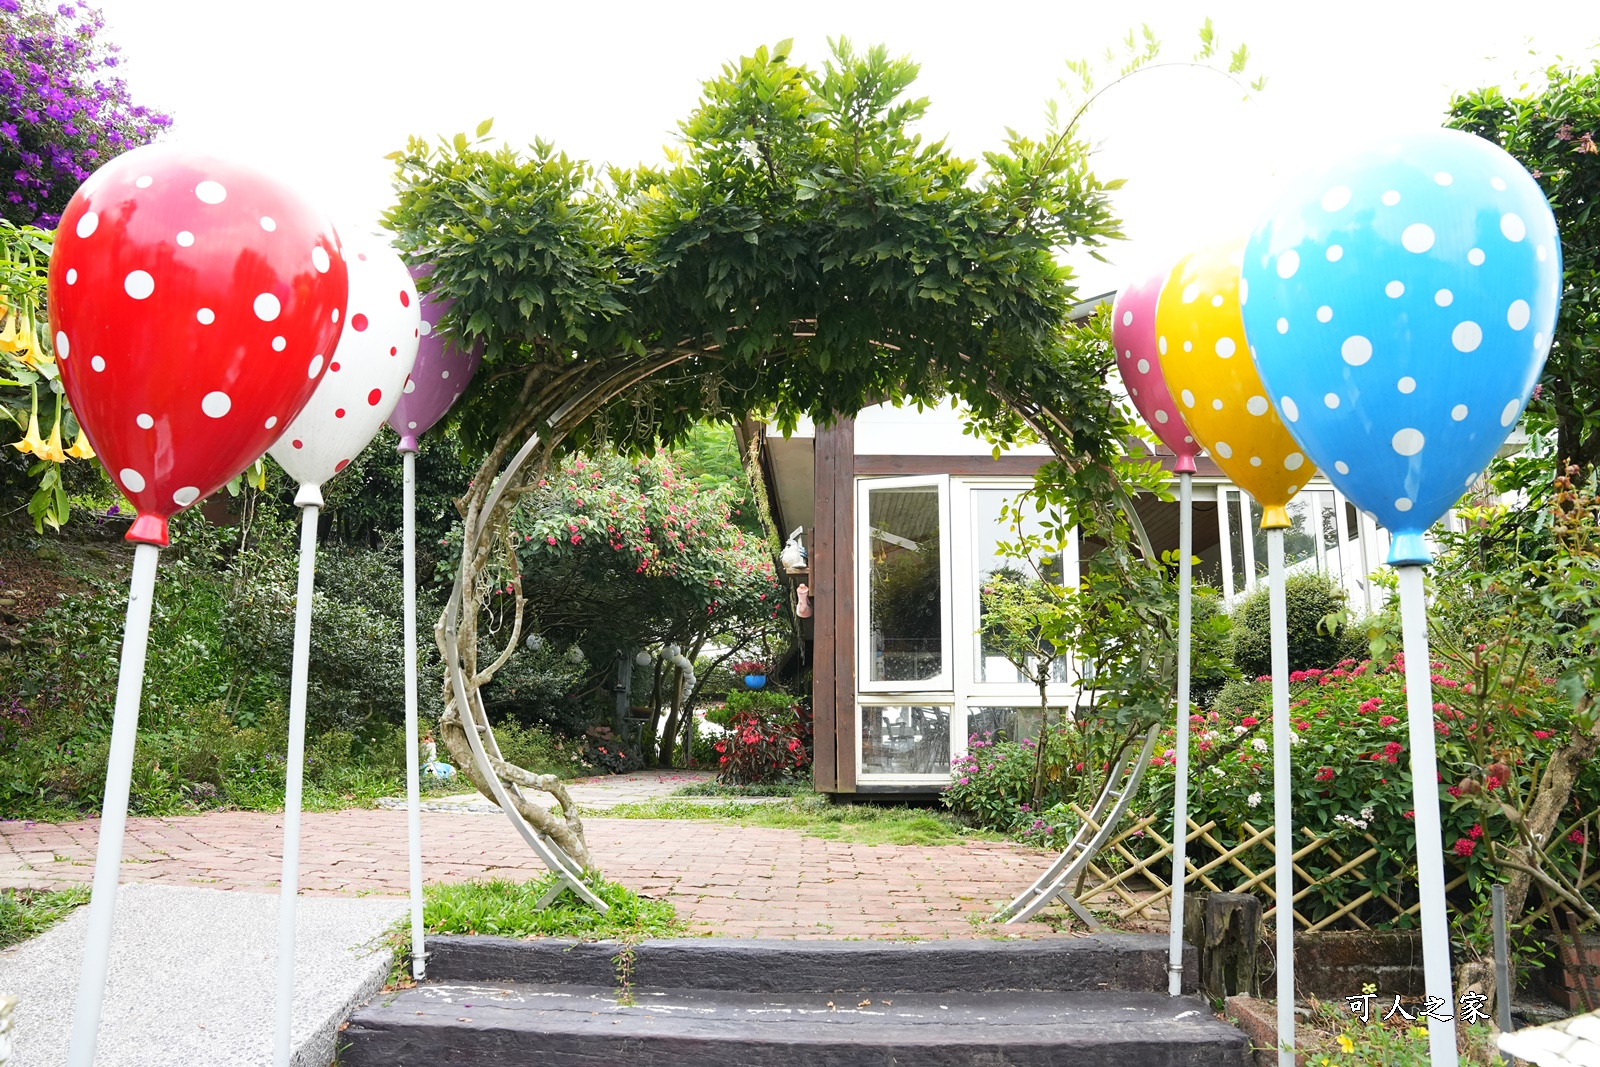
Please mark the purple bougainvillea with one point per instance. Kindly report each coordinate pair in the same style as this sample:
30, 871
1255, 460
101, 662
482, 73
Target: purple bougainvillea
63, 110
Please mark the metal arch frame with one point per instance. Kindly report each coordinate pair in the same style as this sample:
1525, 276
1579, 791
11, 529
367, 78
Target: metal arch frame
1085, 844
568, 874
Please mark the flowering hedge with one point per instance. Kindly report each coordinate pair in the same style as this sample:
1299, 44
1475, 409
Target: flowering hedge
63, 112
1351, 781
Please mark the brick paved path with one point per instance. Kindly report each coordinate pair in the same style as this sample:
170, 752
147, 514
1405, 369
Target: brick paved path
732, 880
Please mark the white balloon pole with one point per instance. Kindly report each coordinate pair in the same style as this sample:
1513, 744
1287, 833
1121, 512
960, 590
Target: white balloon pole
309, 500
114, 809
1180, 791
1425, 801
1282, 812
419, 959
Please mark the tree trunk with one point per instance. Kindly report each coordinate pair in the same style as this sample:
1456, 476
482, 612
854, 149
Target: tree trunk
669, 732
1044, 733
1551, 799
651, 744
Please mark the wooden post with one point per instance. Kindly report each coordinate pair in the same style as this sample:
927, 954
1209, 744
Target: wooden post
1225, 928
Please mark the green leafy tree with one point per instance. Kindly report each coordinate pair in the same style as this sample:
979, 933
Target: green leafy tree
1554, 131
801, 251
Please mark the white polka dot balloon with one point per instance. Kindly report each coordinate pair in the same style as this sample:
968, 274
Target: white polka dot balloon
184, 327
366, 373
1409, 356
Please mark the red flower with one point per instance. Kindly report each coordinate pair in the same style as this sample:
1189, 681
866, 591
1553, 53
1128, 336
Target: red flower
552, 540
1249, 720
1465, 847
1576, 837
1454, 791
1543, 735
1325, 774
1387, 720
1476, 832
1367, 707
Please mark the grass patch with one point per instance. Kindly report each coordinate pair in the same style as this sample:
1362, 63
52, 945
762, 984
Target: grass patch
714, 788
505, 908
866, 824
26, 913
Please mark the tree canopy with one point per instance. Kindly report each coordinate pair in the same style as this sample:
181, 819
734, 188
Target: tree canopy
801, 250
1552, 130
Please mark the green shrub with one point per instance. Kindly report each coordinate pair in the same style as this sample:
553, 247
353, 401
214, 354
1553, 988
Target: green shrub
991, 786
1212, 638
537, 750
1310, 598
762, 703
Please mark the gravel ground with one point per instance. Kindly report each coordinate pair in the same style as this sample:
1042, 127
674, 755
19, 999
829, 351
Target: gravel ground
192, 978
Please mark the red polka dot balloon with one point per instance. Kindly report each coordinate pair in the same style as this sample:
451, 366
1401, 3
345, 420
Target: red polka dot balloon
368, 370
193, 303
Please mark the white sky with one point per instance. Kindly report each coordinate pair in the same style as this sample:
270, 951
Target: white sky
320, 90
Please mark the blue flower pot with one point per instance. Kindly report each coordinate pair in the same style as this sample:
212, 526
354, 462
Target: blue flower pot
755, 681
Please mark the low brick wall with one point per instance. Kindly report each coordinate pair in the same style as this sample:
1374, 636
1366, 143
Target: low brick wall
1334, 965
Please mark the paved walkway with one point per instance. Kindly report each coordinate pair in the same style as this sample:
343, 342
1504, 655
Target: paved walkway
600, 793
735, 881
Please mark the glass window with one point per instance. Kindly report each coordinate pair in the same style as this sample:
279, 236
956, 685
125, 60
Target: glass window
904, 584
1002, 724
989, 531
905, 739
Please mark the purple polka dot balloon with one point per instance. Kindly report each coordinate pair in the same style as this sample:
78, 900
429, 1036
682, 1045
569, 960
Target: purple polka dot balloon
1399, 306
439, 376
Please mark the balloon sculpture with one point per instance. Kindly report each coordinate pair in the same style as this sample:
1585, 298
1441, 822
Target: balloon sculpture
359, 390
1133, 335
439, 376
193, 304
1402, 303
1201, 339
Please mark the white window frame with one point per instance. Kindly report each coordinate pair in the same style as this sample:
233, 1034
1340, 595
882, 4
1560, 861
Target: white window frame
923, 699
968, 687
957, 688
918, 691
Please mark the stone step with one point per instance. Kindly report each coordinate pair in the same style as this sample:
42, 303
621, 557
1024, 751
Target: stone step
1105, 962
509, 1024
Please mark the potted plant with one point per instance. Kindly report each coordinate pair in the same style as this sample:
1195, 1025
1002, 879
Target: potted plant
754, 673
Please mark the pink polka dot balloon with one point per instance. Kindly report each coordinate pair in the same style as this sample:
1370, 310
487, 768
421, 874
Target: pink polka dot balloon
193, 303
367, 373
1133, 332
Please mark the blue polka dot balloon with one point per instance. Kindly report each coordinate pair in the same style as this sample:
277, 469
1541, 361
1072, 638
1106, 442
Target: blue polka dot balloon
1399, 305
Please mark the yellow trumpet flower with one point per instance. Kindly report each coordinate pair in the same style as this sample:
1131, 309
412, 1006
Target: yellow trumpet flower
52, 448
81, 448
16, 337
32, 443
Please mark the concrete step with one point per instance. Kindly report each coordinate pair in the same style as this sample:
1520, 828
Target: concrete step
513, 1024
1125, 962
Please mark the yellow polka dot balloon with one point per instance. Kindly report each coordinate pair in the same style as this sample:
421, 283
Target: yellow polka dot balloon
1207, 364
